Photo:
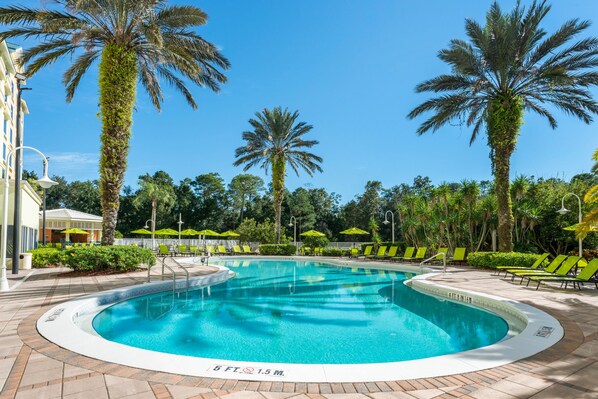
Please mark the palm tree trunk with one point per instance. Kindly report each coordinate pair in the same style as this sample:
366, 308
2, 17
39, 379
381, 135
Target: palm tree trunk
278, 171
118, 80
504, 122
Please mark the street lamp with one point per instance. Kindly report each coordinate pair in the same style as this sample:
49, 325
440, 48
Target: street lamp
16, 228
153, 229
44, 182
44, 213
564, 210
393, 223
294, 225
180, 223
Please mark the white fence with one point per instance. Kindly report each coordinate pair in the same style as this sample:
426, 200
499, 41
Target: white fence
147, 242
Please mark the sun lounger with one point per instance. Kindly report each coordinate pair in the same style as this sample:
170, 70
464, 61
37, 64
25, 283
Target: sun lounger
535, 265
247, 250
237, 250
407, 255
563, 270
368, 251
392, 252
551, 268
458, 256
380, 253
586, 275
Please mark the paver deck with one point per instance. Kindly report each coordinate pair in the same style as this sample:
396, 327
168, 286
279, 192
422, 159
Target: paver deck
32, 367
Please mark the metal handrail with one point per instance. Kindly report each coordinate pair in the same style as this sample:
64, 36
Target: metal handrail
443, 254
184, 269
163, 266
149, 267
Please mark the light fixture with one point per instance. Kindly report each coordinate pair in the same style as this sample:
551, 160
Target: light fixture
46, 182
146, 227
20, 77
563, 211
386, 221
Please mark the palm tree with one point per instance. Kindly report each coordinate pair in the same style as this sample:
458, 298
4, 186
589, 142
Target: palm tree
277, 140
509, 66
152, 189
133, 40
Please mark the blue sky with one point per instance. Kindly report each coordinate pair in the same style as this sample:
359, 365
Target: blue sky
348, 66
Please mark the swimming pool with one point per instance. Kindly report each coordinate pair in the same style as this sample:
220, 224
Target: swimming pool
69, 324
308, 312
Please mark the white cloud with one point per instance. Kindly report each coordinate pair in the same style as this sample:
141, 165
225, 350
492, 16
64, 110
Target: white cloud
70, 165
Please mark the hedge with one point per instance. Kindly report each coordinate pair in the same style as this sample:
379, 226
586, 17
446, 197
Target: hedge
493, 259
97, 258
44, 257
277, 249
334, 251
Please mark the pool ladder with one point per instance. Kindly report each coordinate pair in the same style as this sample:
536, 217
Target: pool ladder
152, 261
443, 254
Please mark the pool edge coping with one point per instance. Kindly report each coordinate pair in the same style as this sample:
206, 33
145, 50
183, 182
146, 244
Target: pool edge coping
458, 363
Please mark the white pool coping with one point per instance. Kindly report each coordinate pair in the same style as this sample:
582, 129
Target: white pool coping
540, 332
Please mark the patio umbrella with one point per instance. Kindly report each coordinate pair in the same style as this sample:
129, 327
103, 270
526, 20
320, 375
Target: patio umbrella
573, 227
230, 233
166, 232
312, 233
354, 231
189, 232
141, 231
207, 232
74, 231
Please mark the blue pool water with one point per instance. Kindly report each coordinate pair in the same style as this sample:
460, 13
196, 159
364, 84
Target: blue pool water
301, 312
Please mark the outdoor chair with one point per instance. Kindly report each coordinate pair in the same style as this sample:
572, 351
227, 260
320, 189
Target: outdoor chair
193, 249
237, 250
368, 251
318, 251
222, 250
163, 250
458, 256
535, 265
353, 252
407, 255
392, 252
587, 274
552, 266
210, 250
562, 270
380, 253
247, 250
182, 250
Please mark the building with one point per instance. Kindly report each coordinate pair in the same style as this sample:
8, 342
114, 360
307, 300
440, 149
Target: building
58, 220
30, 200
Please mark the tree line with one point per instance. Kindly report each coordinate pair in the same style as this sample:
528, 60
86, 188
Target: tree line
456, 214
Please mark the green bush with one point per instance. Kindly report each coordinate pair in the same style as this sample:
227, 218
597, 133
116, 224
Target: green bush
334, 251
315, 242
493, 259
276, 249
105, 258
45, 257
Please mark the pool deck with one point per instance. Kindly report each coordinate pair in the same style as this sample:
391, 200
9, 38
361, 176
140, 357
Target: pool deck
32, 367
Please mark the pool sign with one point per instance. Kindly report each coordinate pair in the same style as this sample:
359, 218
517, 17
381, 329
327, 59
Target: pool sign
247, 370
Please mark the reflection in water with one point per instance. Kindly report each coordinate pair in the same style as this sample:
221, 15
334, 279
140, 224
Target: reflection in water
301, 312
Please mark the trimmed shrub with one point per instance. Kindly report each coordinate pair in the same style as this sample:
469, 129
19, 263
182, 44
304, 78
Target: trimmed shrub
334, 251
45, 257
105, 258
493, 259
276, 249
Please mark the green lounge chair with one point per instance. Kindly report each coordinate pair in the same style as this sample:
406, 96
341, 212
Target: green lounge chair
368, 251
551, 268
407, 255
163, 250
182, 250
420, 254
318, 251
210, 249
587, 273
237, 250
193, 249
441, 250
380, 253
222, 250
353, 252
247, 250
562, 270
458, 256
392, 252
535, 265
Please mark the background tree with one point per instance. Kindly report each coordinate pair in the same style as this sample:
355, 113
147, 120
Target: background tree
133, 40
507, 67
243, 188
157, 191
211, 201
277, 140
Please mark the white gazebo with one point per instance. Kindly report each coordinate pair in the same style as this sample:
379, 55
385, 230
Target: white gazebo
58, 220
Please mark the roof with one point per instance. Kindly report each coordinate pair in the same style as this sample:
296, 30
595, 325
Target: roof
71, 214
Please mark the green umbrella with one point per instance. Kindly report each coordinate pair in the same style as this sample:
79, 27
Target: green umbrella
141, 231
230, 233
312, 233
189, 232
207, 232
74, 231
354, 231
166, 232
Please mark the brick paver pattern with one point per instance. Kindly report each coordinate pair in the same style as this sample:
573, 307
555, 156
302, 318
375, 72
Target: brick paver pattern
32, 367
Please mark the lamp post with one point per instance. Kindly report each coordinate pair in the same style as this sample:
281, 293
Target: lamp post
44, 182
44, 213
153, 229
564, 210
180, 223
392, 215
16, 228
294, 225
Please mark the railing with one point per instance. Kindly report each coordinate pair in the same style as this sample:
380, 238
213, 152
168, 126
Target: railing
443, 254
184, 269
149, 267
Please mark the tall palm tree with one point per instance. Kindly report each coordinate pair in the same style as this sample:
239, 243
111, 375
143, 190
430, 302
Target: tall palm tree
133, 40
277, 140
509, 66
